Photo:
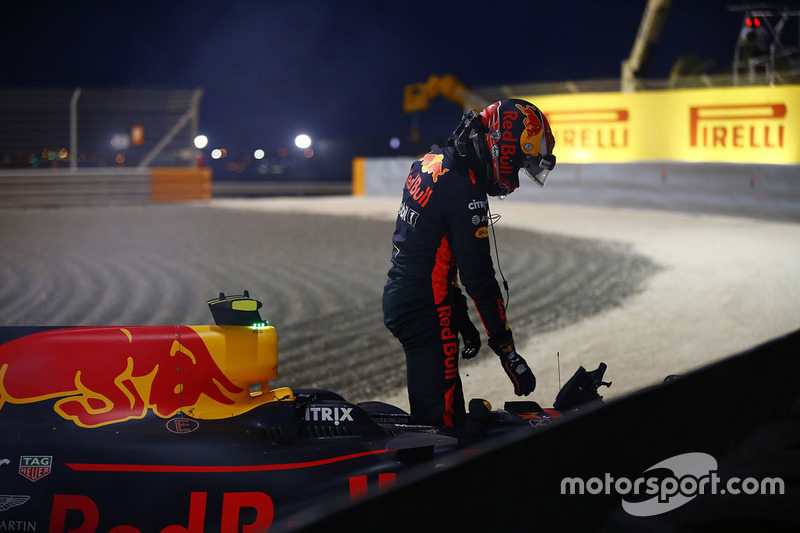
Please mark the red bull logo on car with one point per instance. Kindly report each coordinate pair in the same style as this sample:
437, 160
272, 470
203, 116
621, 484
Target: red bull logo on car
106, 375
257, 505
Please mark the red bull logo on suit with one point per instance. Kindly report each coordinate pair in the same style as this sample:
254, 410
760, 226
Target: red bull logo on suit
432, 164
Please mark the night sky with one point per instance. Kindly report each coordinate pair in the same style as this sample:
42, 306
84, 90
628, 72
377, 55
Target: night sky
336, 70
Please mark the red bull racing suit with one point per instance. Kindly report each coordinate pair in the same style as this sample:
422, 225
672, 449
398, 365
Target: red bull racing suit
441, 232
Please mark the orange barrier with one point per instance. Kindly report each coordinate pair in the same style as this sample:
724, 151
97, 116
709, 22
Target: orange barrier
168, 184
359, 183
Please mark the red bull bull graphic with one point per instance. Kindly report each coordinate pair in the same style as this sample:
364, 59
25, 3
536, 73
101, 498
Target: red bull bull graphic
432, 164
532, 134
107, 375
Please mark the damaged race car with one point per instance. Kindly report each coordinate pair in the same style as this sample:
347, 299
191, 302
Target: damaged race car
175, 428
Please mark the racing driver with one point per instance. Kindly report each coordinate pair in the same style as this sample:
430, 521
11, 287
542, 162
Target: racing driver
441, 235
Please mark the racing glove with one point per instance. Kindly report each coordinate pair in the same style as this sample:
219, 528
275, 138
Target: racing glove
472, 339
515, 366
469, 333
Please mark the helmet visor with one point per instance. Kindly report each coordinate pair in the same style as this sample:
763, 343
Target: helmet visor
538, 168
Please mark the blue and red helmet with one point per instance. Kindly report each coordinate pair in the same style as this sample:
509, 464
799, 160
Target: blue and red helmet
506, 137
519, 138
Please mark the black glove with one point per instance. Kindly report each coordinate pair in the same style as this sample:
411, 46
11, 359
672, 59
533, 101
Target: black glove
469, 333
515, 366
472, 339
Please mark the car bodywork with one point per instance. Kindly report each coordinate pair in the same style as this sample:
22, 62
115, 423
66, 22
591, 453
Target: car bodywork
175, 428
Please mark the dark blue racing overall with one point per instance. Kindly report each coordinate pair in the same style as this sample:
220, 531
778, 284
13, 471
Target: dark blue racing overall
441, 231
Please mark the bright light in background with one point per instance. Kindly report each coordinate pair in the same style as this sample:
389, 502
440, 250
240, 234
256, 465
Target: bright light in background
302, 141
121, 141
200, 142
259, 154
394, 143
218, 153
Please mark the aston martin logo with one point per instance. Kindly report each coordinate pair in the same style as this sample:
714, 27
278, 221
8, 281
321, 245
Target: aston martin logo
8, 501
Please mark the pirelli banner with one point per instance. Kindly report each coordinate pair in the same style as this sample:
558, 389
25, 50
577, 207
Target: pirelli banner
723, 125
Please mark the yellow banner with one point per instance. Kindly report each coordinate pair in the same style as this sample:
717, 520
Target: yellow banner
722, 125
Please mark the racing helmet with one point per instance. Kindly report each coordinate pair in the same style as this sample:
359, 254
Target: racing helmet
508, 136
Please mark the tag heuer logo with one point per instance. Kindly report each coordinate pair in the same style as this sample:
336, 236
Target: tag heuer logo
35, 467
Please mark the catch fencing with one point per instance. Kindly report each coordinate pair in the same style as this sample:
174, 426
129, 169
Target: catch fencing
99, 147
97, 128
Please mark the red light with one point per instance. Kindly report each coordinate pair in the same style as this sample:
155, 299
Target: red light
757, 22
748, 21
